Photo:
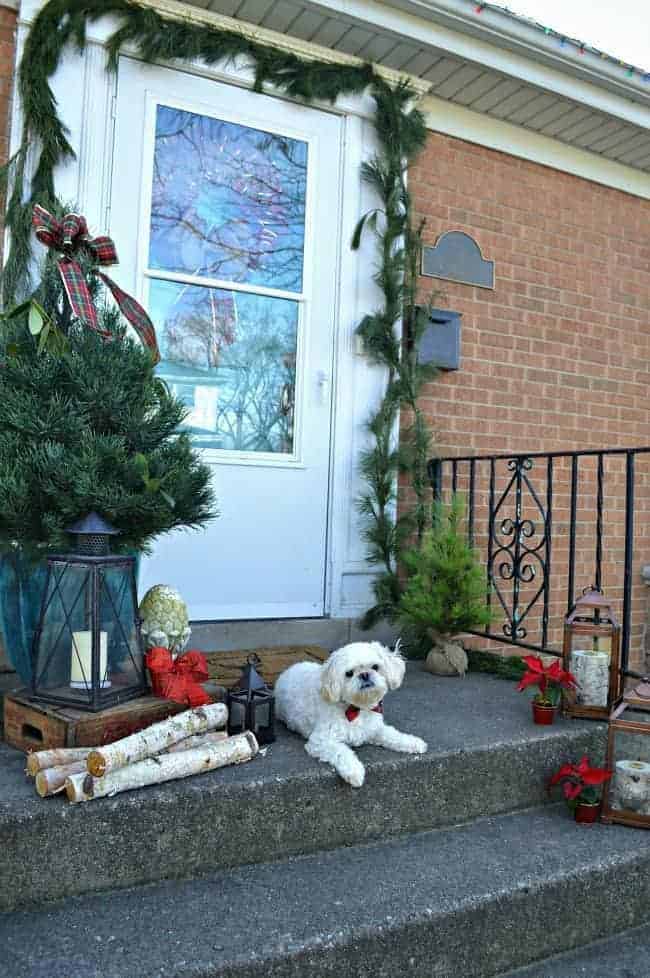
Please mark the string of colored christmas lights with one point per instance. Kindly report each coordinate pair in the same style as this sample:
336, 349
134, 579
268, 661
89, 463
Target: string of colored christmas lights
582, 47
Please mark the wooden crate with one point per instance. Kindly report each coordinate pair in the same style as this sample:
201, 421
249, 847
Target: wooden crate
226, 667
35, 726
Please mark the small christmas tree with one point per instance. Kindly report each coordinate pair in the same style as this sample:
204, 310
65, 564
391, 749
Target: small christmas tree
85, 424
445, 593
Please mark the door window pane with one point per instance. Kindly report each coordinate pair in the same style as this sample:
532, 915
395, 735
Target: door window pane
228, 201
231, 357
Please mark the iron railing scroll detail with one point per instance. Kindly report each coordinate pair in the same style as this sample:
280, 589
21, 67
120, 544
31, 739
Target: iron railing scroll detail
510, 502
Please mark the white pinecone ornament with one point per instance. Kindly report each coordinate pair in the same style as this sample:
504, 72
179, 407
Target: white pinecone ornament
164, 619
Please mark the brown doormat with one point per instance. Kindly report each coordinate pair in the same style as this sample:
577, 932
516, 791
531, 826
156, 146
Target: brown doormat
226, 667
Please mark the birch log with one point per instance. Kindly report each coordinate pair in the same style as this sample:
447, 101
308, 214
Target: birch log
198, 740
52, 779
156, 738
40, 760
166, 767
43, 760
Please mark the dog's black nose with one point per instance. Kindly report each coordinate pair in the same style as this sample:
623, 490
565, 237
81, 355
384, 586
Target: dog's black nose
364, 675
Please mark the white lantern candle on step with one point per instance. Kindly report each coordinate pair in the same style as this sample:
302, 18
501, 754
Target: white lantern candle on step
631, 786
591, 669
81, 661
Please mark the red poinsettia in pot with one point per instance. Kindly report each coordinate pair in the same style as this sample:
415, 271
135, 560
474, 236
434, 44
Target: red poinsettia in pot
551, 680
581, 788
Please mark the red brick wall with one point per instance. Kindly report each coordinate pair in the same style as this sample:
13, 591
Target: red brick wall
557, 357
7, 61
7, 65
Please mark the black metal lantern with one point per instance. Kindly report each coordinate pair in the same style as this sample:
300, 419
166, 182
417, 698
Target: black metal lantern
87, 650
251, 705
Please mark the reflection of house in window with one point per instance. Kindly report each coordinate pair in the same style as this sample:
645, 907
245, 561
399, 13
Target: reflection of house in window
238, 349
199, 392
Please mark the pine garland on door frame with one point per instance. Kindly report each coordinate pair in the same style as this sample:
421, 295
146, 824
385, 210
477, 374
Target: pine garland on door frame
401, 133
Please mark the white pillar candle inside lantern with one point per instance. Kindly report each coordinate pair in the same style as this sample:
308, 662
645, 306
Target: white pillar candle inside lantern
631, 786
81, 662
591, 651
591, 669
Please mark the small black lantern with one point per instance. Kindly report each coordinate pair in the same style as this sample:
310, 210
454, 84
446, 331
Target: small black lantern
251, 704
87, 650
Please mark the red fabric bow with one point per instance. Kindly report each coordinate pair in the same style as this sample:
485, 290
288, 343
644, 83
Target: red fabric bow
179, 680
68, 237
353, 712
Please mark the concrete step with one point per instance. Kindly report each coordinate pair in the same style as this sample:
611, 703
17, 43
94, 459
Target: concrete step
329, 633
626, 955
464, 902
485, 757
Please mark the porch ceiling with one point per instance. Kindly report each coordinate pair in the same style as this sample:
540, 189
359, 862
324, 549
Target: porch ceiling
458, 79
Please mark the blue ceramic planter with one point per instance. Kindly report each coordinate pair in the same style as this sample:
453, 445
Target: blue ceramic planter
22, 583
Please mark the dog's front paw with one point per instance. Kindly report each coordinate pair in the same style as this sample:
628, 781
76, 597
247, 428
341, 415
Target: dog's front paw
417, 745
353, 773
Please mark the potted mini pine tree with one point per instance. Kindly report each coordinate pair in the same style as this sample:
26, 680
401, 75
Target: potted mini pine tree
85, 425
445, 592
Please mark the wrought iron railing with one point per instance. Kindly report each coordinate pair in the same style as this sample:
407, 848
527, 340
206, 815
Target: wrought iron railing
548, 525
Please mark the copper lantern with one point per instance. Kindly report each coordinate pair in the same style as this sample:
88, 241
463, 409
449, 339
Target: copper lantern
626, 797
591, 651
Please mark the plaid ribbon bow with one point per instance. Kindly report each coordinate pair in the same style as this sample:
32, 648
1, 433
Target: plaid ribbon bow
68, 237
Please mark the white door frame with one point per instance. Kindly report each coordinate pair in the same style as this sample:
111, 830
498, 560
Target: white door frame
85, 93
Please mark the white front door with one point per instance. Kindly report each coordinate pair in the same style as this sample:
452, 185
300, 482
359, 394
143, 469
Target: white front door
225, 213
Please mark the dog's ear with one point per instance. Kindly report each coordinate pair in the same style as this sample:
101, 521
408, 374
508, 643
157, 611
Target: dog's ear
330, 682
393, 665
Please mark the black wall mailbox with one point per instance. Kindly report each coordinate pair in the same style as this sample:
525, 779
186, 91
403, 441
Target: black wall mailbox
440, 342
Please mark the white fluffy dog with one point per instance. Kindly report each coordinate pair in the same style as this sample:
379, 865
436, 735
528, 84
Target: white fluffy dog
338, 705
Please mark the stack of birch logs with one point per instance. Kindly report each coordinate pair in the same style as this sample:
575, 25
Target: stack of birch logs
188, 743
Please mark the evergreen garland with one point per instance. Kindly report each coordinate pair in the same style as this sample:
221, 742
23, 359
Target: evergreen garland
510, 667
401, 132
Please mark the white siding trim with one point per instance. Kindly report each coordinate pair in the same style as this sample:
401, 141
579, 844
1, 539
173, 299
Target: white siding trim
455, 120
493, 54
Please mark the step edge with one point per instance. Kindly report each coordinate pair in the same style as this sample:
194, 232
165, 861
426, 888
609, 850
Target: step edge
160, 795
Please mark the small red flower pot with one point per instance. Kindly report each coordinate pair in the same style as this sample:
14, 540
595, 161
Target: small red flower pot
544, 714
586, 814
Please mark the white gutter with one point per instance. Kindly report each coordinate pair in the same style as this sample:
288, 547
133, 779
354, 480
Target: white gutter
509, 31
503, 43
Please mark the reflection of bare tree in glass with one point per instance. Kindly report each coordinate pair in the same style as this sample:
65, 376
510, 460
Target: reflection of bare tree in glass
251, 415
197, 333
228, 201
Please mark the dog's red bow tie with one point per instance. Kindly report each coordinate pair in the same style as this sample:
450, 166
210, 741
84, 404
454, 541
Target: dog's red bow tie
353, 712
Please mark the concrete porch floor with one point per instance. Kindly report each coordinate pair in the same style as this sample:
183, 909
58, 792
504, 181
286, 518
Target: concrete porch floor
485, 757
276, 868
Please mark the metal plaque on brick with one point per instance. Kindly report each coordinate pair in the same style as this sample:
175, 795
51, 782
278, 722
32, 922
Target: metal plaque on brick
457, 257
